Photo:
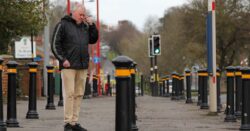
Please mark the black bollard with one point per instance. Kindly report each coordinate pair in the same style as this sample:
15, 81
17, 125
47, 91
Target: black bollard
174, 85
219, 105
204, 90
60, 102
12, 85
133, 103
238, 92
142, 85
2, 123
32, 113
109, 88
245, 123
167, 85
164, 86
123, 82
230, 116
87, 91
94, 83
188, 85
182, 94
200, 84
50, 100
161, 87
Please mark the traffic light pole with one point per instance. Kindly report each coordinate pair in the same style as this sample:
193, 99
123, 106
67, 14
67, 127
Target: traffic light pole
156, 75
151, 75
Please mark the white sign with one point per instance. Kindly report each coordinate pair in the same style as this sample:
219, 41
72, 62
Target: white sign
23, 48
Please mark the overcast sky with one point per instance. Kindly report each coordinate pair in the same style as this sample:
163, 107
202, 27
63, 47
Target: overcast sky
136, 11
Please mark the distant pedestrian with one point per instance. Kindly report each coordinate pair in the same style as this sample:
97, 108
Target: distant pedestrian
70, 46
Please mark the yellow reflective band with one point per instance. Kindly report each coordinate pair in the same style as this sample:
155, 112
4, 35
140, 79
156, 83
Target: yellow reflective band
238, 73
174, 76
50, 71
202, 74
11, 71
230, 74
188, 74
32, 70
132, 71
1, 67
247, 76
160, 82
122, 72
217, 74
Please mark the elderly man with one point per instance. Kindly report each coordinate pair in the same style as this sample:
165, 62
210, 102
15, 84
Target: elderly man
70, 46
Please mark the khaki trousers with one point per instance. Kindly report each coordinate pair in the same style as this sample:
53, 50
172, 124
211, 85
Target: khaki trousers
73, 84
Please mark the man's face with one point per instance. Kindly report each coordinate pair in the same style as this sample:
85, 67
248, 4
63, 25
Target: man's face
79, 15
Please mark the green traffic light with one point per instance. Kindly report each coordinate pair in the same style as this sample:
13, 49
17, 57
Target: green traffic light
157, 51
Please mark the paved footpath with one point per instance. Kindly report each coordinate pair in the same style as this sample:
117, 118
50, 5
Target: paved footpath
154, 114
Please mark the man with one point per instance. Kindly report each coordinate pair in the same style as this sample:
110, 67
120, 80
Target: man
70, 46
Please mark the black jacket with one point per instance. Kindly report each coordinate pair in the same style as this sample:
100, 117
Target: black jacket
70, 42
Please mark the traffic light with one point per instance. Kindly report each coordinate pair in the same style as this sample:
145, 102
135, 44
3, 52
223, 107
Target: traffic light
156, 40
150, 47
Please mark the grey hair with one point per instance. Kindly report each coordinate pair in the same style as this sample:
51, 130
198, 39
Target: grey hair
75, 6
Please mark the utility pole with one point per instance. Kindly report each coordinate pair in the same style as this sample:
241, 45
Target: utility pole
46, 50
211, 41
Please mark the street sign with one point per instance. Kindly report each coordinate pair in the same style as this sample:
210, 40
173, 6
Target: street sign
96, 59
23, 48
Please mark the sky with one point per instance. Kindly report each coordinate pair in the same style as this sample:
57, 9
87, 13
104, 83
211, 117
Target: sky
136, 11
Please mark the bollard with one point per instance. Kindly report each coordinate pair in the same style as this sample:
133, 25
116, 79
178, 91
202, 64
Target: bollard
109, 88
182, 95
174, 85
122, 72
142, 85
2, 124
200, 84
245, 123
87, 91
32, 113
230, 116
188, 85
95, 81
167, 84
133, 103
60, 102
12, 85
161, 87
164, 86
219, 105
238, 92
204, 90
50, 100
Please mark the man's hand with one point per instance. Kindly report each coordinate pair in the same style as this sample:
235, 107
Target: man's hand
89, 20
66, 63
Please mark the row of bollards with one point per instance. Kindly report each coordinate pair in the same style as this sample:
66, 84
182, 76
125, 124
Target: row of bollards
32, 113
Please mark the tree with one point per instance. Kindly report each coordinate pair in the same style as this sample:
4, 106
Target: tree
19, 18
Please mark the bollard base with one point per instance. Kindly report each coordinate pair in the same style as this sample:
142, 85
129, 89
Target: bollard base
2, 126
3, 129
12, 123
134, 128
230, 118
245, 127
50, 106
32, 115
204, 106
189, 101
238, 114
60, 103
